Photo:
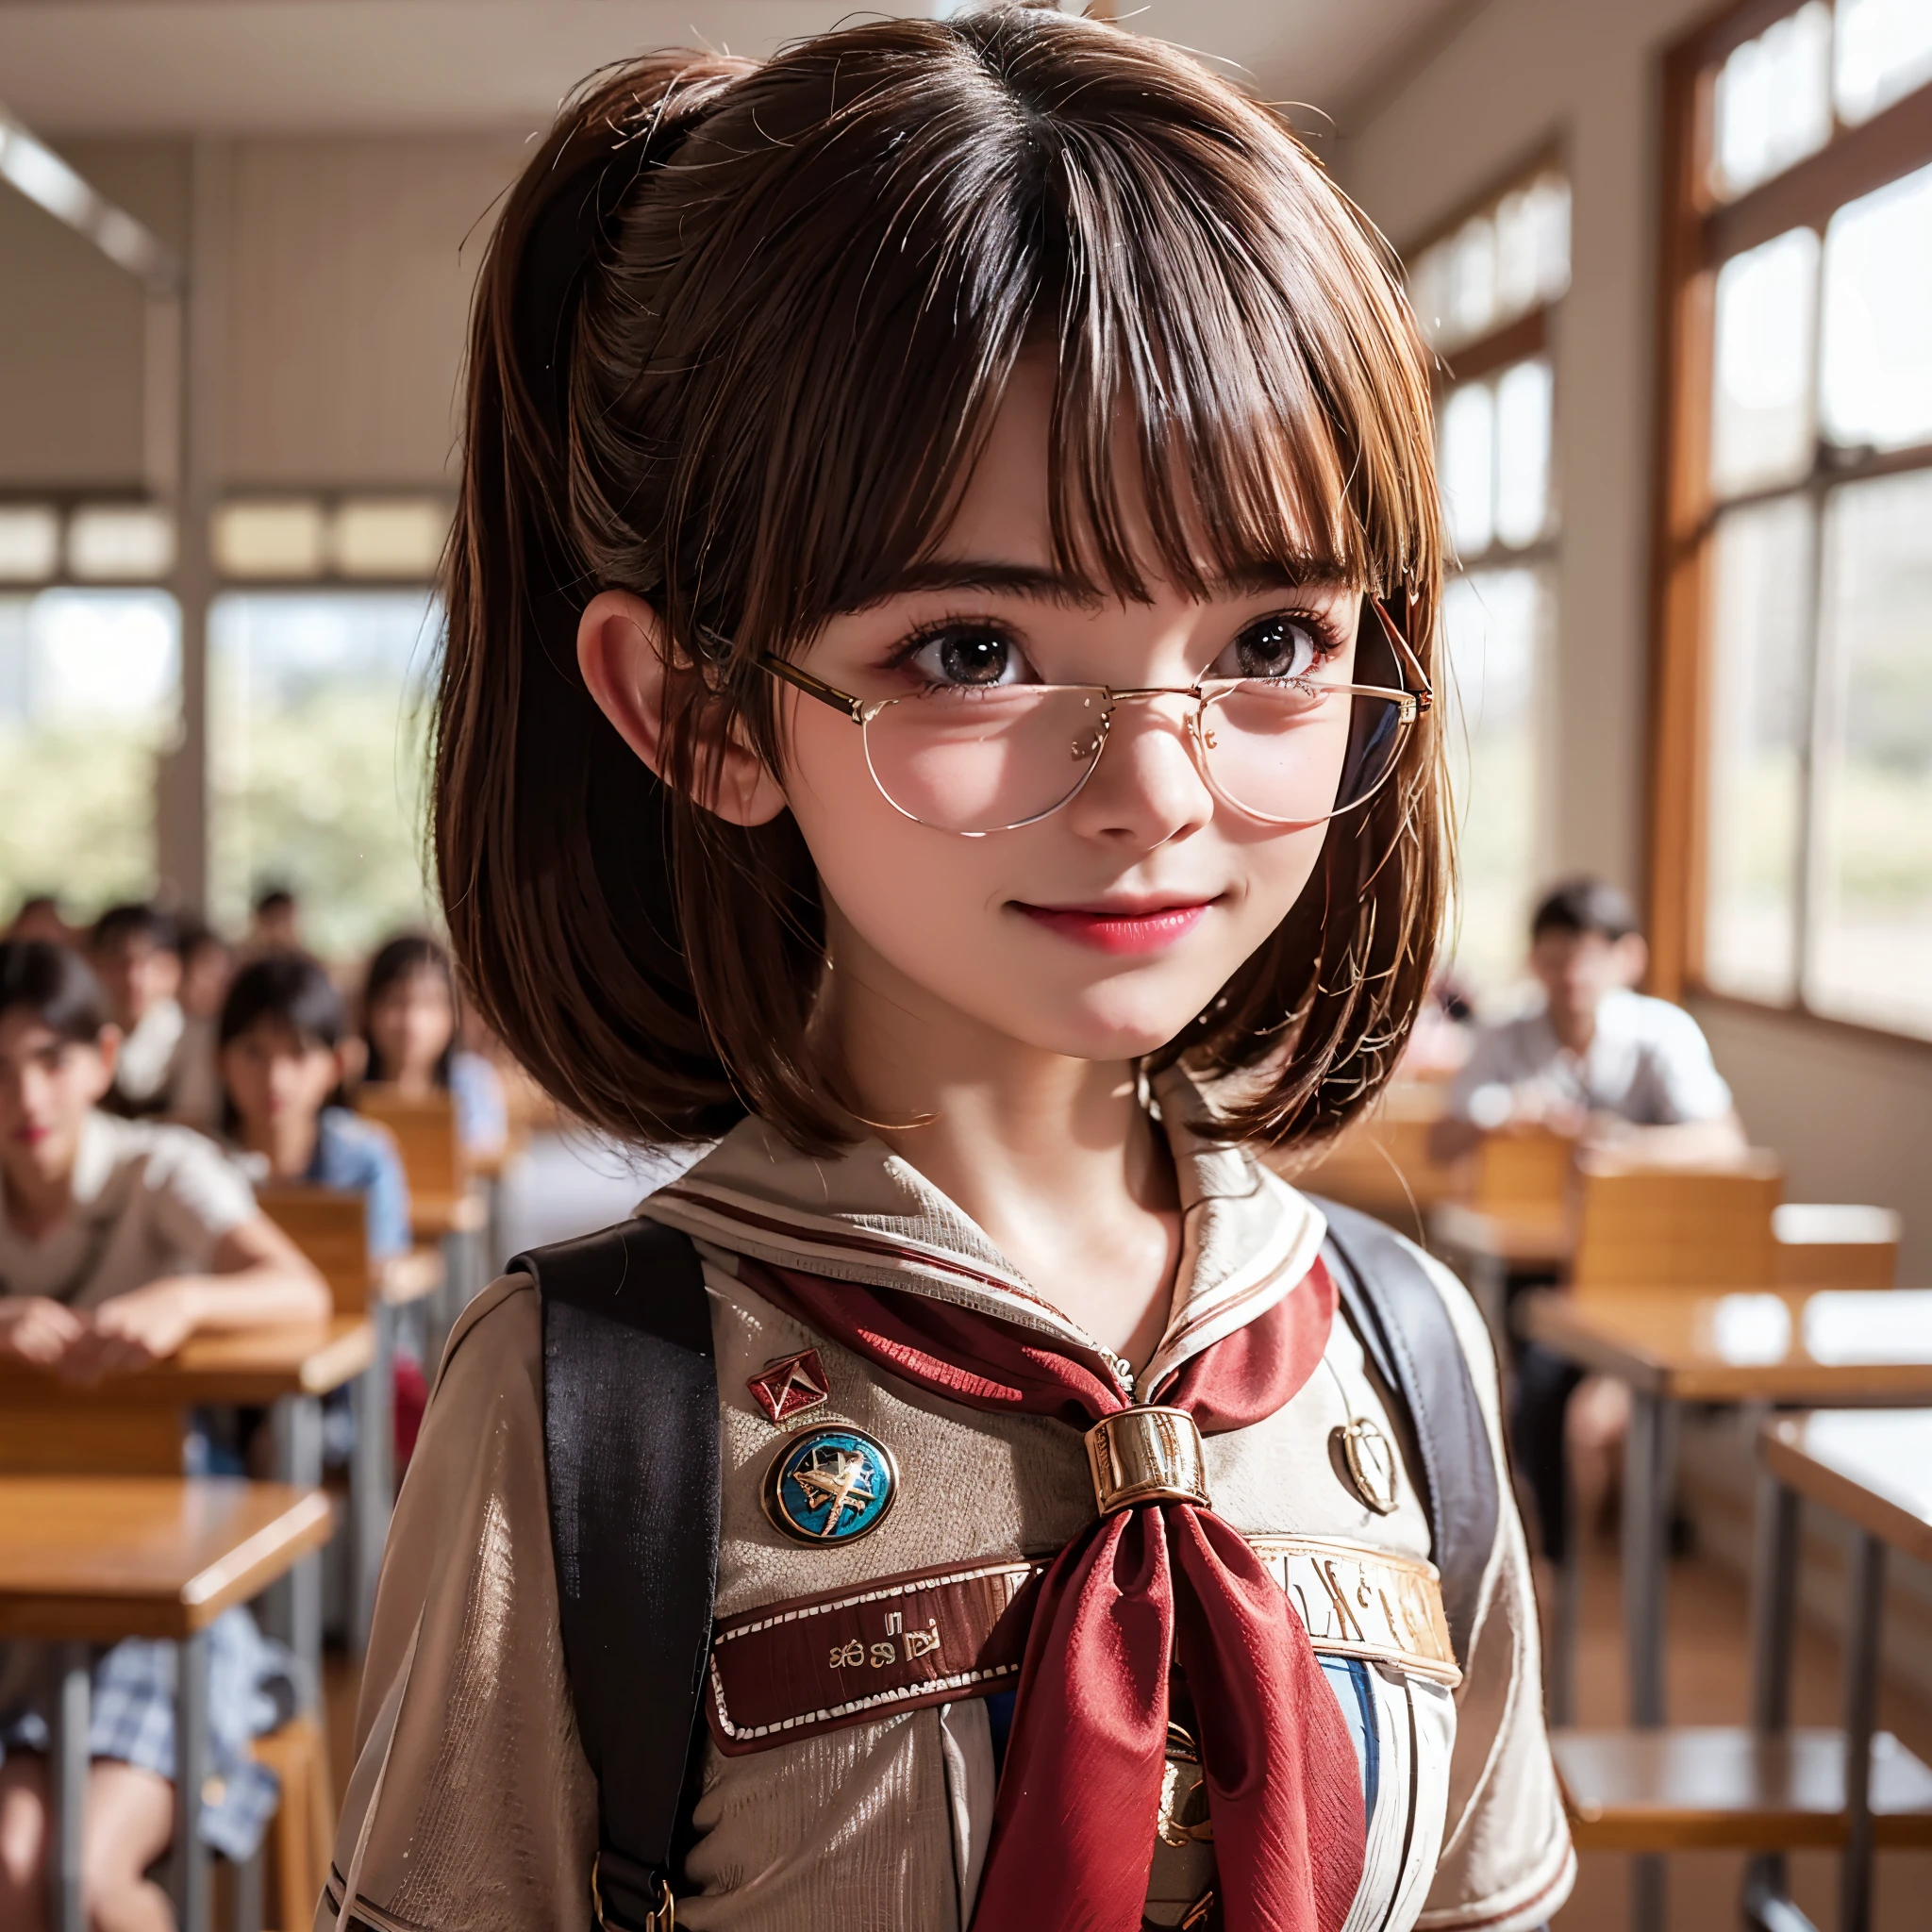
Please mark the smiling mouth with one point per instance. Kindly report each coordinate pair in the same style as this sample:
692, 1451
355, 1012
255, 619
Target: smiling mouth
1119, 930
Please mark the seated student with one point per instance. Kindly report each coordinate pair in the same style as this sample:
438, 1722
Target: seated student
165, 1065
275, 923
1593, 1057
119, 1240
284, 1055
409, 1025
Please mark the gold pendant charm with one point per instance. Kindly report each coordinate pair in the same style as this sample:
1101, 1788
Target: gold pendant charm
1367, 1459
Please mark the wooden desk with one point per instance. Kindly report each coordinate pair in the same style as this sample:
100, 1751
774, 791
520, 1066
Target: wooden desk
92, 1560
287, 1370
1675, 1346
1874, 1469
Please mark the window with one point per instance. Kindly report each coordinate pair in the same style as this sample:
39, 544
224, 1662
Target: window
1791, 858
89, 696
1484, 294
317, 713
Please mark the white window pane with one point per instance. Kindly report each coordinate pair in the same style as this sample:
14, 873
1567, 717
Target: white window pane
402, 538
89, 696
1871, 939
1773, 100
1494, 626
1876, 376
1466, 457
269, 540
317, 755
1760, 719
1473, 280
1524, 396
1428, 292
30, 543
1761, 424
119, 543
1884, 53
1549, 210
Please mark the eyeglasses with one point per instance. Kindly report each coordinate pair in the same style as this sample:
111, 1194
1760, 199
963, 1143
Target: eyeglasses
1288, 750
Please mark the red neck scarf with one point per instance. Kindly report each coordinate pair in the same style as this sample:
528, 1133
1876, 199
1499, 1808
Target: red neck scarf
1079, 1795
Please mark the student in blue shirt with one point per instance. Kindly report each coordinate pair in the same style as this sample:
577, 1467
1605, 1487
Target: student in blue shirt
409, 1026
285, 1051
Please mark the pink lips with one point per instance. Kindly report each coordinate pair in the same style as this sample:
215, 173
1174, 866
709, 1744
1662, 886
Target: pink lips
1120, 932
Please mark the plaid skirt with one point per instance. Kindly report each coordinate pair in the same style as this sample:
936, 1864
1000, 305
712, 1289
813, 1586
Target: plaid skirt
251, 1689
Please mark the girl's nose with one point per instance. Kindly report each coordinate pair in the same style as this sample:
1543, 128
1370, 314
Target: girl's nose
1147, 789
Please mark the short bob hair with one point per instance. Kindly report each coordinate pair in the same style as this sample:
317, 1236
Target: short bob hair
737, 343
55, 986
397, 960
286, 989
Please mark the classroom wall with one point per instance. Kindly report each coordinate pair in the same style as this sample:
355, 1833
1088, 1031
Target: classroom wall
348, 268
1852, 1120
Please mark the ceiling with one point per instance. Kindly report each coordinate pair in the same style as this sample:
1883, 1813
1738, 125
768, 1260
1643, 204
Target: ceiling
99, 67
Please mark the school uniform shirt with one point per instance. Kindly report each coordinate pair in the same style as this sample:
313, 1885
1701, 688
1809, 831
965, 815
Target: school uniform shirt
476, 1091
149, 1200
1647, 1061
358, 1157
167, 1066
472, 1805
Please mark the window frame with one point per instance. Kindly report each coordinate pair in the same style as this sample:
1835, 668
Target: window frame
1697, 233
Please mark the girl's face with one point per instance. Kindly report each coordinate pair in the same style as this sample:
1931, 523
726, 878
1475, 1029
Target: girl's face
1102, 930
274, 1075
47, 1085
411, 1023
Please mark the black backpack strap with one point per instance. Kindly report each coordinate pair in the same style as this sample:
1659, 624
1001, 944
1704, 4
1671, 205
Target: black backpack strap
631, 1452
1406, 1331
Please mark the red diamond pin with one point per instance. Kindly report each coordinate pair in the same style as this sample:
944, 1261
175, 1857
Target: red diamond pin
791, 1386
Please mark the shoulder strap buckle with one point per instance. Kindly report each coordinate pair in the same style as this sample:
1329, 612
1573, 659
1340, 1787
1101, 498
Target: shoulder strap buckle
628, 1898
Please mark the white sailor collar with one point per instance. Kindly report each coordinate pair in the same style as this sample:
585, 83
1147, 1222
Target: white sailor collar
1248, 1238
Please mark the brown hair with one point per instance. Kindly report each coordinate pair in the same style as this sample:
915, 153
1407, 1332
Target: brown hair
736, 341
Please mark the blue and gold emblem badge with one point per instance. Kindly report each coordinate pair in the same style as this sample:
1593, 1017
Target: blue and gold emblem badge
830, 1485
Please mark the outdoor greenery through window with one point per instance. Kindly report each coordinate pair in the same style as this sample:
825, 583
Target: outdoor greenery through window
1483, 295
1816, 540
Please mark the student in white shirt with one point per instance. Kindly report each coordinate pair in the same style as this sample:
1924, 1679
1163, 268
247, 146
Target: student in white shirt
119, 1240
1593, 1057
165, 1065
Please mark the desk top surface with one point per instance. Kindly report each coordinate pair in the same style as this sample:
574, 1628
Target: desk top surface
1873, 1466
249, 1366
95, 1558
1830, 1345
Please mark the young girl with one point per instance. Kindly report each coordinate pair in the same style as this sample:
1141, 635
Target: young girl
119, 1240
937, 715
284, 1055
409, 1026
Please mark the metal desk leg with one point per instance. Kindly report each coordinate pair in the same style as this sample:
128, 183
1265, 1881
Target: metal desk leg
1569, 1608
1861, 1705
189, 1884
1767, 1903
1646, 1529
293, 1604
67, 1781
372, 1474
245, 1895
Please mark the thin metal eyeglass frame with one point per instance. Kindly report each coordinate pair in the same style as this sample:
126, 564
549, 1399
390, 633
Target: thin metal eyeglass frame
1412, 702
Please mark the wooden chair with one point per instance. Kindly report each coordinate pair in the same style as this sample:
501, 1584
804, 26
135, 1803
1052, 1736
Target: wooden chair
1525, 1167
441, 1200
1381, 1162
331, 1227
1674, 1227
1829, 1245
303, 1828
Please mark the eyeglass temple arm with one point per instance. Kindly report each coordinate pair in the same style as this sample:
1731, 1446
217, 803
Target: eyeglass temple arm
815, 688
1421, 690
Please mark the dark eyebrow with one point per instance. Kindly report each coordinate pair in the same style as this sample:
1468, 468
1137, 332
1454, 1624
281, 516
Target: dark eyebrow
1050, 586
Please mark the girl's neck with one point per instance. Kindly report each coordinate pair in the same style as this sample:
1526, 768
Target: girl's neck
286, 1142
1052, 1157
36, 1199
415, 1083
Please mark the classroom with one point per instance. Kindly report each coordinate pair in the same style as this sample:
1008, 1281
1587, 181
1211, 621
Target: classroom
466, 468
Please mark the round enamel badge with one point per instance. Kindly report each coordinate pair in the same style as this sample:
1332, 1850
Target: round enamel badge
830, 1485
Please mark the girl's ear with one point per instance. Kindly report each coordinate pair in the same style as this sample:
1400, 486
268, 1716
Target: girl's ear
620, 651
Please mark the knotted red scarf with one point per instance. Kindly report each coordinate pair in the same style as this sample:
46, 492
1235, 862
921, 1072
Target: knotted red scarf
1080, 1795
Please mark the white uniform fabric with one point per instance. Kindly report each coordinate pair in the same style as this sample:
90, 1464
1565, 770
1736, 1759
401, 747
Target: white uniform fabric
149, 1200
1647, 1062
471, 1803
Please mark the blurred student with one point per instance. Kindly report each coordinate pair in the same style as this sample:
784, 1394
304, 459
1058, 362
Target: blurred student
120, 1240
1592, 1057
285, 1053
38, 917
275, 923
409, 1025
164, 1066
207, 966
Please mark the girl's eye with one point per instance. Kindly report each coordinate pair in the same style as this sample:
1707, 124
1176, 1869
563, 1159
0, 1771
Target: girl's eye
969, 659
1277, 646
